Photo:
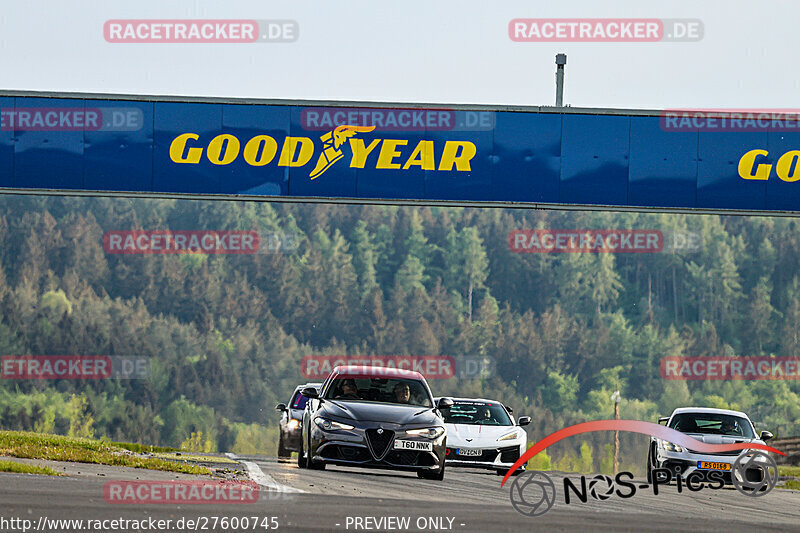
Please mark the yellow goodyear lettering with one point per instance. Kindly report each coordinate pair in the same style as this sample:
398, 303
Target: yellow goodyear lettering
223, 149
178, 146
360, 152
263, 144
388, 153
262, 150
290, 157
786, 167
422, 156
748, 169
452, 157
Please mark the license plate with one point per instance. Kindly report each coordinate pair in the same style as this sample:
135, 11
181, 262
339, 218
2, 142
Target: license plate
413, 445
467, 452
707, 465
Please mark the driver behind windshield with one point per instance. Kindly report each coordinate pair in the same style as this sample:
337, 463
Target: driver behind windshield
348, 390
728, 427
402, 393
485, 416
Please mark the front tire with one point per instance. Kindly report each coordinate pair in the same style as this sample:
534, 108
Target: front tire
282, 451
650, 460
302, 462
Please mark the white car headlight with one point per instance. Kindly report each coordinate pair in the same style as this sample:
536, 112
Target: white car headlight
293, 423
331, 425
511, 436
670, 447
431, 433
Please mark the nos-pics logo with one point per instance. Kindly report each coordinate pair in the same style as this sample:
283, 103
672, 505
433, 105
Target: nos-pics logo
754, 473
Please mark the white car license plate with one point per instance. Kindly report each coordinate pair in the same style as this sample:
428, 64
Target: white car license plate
413, 445
468, 453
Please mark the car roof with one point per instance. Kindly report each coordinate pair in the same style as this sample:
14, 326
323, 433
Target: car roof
376, 371
303, 386
709, 410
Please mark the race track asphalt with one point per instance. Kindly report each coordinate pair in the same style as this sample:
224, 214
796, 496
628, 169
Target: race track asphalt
351, 499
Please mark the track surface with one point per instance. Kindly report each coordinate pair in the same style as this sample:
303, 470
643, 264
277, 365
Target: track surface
467, 500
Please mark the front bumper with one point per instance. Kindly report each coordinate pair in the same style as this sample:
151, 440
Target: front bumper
494, 458
686, 464
357, 448
291, 436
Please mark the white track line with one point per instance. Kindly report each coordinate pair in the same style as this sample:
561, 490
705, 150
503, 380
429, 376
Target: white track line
265, 480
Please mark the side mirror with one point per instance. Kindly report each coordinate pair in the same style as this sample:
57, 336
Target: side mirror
280, 407
444, 403
310, 392
509, 409
663, 420
523, 421
766, 435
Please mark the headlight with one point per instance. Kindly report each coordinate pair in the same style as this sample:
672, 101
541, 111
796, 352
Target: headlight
431, 433
511, 436
672, 447
330, 425
293, 423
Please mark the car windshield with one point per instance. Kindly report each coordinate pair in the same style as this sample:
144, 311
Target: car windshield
475, 413
379, 389
299, 401
712, 424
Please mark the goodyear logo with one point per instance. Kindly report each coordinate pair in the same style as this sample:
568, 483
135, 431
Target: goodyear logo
753, 167
385, 154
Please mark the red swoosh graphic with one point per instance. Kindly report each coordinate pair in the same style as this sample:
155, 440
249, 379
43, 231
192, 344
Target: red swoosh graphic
634, 426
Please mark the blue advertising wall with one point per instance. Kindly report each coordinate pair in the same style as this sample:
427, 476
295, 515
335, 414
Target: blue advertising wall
547, 156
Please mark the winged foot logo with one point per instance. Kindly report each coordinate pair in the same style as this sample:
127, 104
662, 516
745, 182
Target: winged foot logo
332, 142
376, 153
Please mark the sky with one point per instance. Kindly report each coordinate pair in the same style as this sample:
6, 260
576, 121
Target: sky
431, 51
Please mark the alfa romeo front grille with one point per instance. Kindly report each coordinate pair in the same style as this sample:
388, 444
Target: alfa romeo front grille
379, 441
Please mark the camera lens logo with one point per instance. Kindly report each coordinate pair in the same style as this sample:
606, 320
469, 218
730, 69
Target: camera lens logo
533, 493
598, 483
754, 474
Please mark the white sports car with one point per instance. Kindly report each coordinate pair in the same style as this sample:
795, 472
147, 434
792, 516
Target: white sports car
713, 426
483, 434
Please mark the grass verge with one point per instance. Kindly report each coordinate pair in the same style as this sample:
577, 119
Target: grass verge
19, 468
59, 448
196, 458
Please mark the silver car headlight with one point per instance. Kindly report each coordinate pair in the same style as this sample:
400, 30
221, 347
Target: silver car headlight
293, 423
670, 447
331, 425
510, 436
430, 433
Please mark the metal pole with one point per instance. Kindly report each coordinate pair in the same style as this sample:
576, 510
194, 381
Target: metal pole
616, 397
616, 440
561, 60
